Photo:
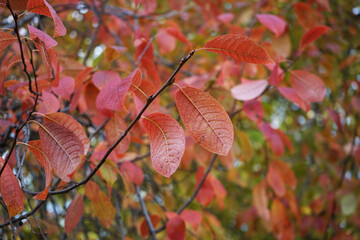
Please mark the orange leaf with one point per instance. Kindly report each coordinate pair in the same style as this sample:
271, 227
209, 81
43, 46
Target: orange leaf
92, 190
260, 200
74, 213
6, 39
205, 119
11, 191
62, 148
307, 16
175, 228
308, 86
44, 8
144, 229
113, 130
103, 209
36, 148
285, 172
312, 35
240, 48
275, 180
71, 124
167, 142
273, 23
282, 227
249, 90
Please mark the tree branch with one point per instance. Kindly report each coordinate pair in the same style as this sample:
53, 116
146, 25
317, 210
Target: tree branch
146, 214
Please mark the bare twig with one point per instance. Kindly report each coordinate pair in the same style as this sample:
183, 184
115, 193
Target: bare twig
146, 214
94, 35
19, 128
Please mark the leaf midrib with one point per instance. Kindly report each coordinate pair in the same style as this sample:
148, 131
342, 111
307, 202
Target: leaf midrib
202, 116
162, 132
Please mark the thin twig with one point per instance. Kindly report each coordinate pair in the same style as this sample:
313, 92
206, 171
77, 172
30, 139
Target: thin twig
19, 128
93, 37
197, 189
146, 214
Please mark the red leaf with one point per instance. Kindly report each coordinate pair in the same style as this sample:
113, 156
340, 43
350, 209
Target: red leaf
144, 229
291, 95
275, 180
100, 78
275, 79
249, 90
308, 86
206, 193
205, 120
6, 39
240, 48
62, 148
254, 110
36, 148
192, 217
167, 142
44, 8
273, 137
37, 33
65, 87
175, 228
142, 45
136, 79
176, 33
15, 4
113, 130
71, 124
312, 35
167, 43
49, 103
132, 173
260, 200
45, 55
273, 23
11, 191
336, 117
306, 15
74, 213
111, 96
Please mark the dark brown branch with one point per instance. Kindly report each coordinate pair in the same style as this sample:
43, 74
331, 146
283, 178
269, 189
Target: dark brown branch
146, 214
19, 128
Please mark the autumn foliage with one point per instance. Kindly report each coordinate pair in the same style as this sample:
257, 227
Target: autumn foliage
177, 119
